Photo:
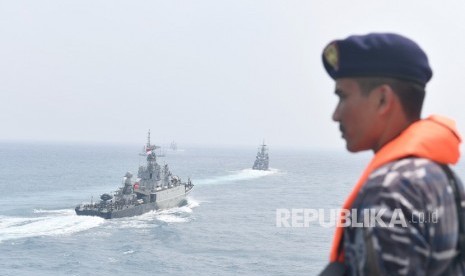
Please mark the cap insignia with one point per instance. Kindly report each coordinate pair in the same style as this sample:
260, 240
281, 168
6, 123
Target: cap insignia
332, 56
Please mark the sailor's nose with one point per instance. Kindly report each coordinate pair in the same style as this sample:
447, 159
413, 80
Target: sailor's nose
336, 114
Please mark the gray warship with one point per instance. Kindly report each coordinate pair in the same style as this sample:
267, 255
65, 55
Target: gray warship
155, 188
262, 159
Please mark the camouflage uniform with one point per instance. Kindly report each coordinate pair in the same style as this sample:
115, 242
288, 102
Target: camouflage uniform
428, 242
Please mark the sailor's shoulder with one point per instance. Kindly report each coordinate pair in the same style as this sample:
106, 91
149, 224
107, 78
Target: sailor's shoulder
406, 174
413, 180
412, 168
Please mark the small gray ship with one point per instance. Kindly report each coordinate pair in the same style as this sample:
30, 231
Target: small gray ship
155, 188
262, 159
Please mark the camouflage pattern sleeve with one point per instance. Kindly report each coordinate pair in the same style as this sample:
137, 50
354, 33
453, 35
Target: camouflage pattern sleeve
404, 222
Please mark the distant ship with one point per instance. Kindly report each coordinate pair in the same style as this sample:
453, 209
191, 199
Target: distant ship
173, 146
262, 159
155, 188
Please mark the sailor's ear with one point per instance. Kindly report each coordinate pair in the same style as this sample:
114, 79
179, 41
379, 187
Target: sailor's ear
385, 98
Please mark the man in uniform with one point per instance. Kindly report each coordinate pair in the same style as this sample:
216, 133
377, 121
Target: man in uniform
380, 81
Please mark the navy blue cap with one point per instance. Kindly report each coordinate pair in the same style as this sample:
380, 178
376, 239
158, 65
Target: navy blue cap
377, 55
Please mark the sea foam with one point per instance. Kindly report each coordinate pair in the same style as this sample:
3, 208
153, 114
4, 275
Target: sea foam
245, 174
48, 223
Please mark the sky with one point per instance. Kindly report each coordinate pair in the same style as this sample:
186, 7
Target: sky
204, 72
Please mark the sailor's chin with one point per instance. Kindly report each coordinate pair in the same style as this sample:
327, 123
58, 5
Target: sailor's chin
349, 146
353, 148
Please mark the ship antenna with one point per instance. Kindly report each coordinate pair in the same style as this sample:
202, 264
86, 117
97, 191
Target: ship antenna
148, 140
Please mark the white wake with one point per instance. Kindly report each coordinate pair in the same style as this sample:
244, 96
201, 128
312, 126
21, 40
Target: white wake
66, 222
46, 223
147, 220
245, 174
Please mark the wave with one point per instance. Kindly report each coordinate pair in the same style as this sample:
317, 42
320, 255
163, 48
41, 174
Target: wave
171, 218
245, 174
60, 211
151, 219
48, 223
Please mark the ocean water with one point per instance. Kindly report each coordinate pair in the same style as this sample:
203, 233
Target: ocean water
228, 227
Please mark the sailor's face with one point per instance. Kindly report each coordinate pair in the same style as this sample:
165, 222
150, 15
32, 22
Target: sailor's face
355, 113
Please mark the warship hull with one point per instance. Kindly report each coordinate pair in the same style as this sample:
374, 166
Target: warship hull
167, 199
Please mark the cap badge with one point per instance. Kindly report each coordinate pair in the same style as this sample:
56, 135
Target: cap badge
332, 56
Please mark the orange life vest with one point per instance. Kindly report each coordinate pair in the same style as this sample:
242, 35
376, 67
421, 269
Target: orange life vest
435, 138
